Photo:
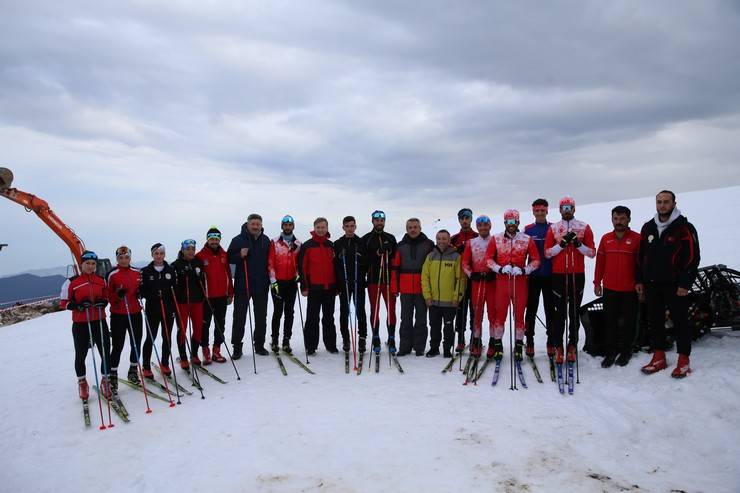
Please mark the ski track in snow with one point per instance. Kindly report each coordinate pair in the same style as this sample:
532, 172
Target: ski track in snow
421, 431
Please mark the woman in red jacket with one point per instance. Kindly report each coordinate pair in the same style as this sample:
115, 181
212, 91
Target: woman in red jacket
86, 296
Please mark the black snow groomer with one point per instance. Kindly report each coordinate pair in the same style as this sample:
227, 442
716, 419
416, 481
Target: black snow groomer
715, 304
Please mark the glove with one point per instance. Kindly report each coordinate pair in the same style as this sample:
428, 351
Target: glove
563, 243
100, 304
71, 306
81, 307
384, 247
516, 271
121, 292
476, 276
577, 243
293, 247
275, 289
506, 269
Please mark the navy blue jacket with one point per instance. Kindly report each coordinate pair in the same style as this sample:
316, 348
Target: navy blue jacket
538, 232
259, 249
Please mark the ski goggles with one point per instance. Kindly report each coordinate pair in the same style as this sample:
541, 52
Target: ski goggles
483, 220
188, 244
465, 213
566, 208
378, 215
287, 219
511, 222
123, 252
88, 255
213, 235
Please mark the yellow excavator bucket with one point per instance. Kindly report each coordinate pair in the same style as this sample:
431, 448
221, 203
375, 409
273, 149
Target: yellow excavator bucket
6, 178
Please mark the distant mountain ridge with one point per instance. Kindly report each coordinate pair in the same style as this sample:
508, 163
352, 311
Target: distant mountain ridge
29, 286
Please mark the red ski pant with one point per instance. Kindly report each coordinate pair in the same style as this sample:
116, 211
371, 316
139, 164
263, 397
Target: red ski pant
390, 305
482, 295
510, 290
194, 313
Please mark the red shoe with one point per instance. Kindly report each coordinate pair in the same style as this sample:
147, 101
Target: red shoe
195, 360
206, 355
184, 364
489, 353
551, 350
558, 355
571, 353
217, 355
105, 387
475, 347
682, 367
656, 364
529, 350
147, 373
460, 347
84, 389
165, 370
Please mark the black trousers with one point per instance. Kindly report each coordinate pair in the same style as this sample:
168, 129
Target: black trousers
437, 316
662, 297
464, 312
537, 285
620, 318
154, 319
567, 290
218, 315
358, 304
284, 306
239, 321
81, 339
119, 326
413, 328
320, 303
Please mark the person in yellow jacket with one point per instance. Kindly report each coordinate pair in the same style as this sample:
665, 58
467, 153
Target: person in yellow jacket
443, 286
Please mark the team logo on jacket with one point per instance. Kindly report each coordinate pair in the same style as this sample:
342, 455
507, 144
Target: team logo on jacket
651, 238
168, 276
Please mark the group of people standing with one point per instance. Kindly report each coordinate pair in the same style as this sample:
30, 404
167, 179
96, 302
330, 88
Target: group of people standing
452, 281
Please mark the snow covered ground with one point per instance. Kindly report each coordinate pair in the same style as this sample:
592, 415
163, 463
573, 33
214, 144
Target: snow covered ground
420, 431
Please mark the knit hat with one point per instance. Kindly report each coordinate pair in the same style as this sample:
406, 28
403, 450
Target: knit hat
567, 200
511, 214
213, 233
157, 246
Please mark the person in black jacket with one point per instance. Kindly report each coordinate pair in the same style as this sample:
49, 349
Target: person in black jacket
666, 268
250, 247
351, 271
189, 295
157, 282
380, 247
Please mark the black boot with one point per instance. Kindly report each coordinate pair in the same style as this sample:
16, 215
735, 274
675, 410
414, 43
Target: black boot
434, 352
345, 346
518, 345
261, 350
274, 346
392, 344
237, 352
361, 344
286, 347
133, 375
608, 360
113, 380
624, 358
447, 352
376, 344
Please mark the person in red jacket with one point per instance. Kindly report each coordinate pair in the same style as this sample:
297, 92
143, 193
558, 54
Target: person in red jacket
567, 242
123, 294
406, 280
465, 307
482, 280
219, 293
283, 269
318, 283
512, 256
86, 295
614, 279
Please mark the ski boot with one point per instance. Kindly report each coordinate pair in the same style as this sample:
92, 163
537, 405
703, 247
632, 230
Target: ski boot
206, 355
286, 347
133, 376
550, 351
624, 358
113, 379
261, 350
376, 344
184, 364
608, 360
476, 347
434, 352
682, 367
656, 364
518, 350
195, 360
559, 355
391, 344
460, 347
491, 344
361, 344
447, 352
529, 349
217, 355
345, 345
147, 372
274, 347
571, 353
237, 352
498, 350
165, 370
105, 387
83, 389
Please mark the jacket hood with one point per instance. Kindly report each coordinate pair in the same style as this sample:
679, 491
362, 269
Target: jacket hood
320, 239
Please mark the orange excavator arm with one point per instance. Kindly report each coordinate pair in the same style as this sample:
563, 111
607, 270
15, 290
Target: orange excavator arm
44, 212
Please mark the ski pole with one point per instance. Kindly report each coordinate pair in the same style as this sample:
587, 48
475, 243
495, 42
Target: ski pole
303, 326
182, 331
168, 338
95, 367
354, 300
376, 322
576, 314
189, 322
567, 301
388, 302
223, 331
136, 352
511, 343
106, 364
249, 316
156, 353
349, 308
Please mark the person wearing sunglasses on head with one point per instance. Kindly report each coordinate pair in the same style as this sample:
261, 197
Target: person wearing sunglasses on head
86, 296
512, 256
123, 294
219, 292
189, 295
465, 307
568, 241
483, 281
283, 268
380, 248
540, 280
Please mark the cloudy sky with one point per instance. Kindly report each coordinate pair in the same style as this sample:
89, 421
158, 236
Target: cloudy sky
154, 120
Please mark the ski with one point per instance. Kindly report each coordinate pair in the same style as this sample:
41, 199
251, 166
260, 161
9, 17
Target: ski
346, 362
360, 363
521, 374
552, 367
114, 405
535, 369
496, 372
280, 363
571, 380
141, 389
299, 363
451, 363
151, 381
119, 403
215, 377
398, 365
86, 412
467, 364
471, 371
172, 381
561, 388
377, 362
483, 368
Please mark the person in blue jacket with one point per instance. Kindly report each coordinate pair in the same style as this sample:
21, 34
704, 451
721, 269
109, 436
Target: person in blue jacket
250, 247
540, 280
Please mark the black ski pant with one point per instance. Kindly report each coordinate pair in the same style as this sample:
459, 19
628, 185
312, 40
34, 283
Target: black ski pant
567, 291
119, 328
358, 308
321, 303
239, 321
214, 309
661, 297
464, 312
620, 318
537, 285
154, 319
284, 307
413, 328
439, 315
81, 339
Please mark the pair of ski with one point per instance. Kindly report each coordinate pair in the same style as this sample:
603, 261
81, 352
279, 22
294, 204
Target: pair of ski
115, 403
556, 374
519, 373
361, 362
292, 358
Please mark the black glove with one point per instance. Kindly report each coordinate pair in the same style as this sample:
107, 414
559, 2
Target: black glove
563, 243
121, 292
71, 305
577, 243
476, 276
570, 236
101, 304
81, 307
293, 246
384, 247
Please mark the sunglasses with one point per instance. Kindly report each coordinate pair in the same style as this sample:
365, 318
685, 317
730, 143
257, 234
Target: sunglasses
464, 214
188, 244
287, 219
378, 215
566, 208
123, 255
511, 222
213, 235
89, 256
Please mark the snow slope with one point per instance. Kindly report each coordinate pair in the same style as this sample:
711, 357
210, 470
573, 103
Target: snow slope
421, 431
